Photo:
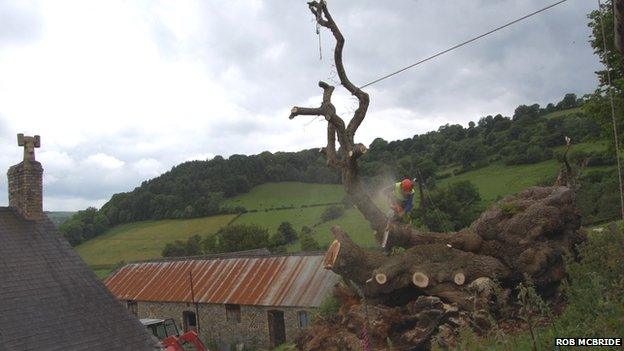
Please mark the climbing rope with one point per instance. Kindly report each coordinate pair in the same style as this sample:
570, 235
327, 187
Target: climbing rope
613, 119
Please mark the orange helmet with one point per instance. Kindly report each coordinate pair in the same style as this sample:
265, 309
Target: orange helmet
406, 185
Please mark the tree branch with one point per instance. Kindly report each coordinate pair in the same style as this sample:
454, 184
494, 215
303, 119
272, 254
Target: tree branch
363, 98
348, 153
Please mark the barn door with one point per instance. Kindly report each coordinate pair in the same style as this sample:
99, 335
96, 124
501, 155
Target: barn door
277, 329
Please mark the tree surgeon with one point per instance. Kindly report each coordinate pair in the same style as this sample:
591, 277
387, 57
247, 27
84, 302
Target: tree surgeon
401, 197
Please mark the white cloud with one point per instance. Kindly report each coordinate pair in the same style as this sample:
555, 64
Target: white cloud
148, 167
104, 161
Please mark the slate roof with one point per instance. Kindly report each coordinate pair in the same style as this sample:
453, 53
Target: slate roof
295, 280
51, 300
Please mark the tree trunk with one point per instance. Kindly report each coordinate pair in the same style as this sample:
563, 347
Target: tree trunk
527, 234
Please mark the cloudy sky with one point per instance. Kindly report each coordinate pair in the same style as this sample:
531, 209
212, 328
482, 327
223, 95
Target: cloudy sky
121, 91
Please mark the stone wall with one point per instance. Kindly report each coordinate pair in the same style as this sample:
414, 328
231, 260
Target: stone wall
252, 330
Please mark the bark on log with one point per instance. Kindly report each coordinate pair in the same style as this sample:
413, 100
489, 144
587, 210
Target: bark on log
524, 234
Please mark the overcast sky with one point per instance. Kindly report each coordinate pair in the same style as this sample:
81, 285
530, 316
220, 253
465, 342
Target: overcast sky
121, 91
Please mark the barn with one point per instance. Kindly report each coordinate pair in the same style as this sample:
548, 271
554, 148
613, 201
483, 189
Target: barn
252, 300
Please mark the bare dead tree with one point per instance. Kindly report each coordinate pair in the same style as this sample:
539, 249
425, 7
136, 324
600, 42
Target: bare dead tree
523, 235
346, 157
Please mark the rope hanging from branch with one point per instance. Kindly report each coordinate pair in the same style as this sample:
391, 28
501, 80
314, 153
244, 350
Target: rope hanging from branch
613, 119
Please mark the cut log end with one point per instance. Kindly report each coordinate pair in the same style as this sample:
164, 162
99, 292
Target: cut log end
331, 255
420, 280
459, 278
381, 278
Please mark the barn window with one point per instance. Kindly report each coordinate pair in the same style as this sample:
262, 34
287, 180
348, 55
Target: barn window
304, 319
190, 320
233, 313
133, 307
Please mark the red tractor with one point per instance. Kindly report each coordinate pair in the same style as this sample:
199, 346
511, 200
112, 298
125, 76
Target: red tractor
167, 332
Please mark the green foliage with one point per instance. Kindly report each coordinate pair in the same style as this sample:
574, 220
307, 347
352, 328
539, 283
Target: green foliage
532, 308
287, 230
228, 239
598, 196
240, 237
308, 243
175, 249
84, 225
452, 208
594, 294
611, 57
397, 250
193, 246
595, 288
277, 239
598, 105
332, 212
329, 308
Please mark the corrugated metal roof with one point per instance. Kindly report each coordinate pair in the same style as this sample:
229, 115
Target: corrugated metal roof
285, 280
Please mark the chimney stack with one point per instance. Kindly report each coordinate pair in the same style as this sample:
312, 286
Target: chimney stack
26, 181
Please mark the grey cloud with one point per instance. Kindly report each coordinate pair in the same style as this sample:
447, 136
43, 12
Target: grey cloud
541, 57
538, 60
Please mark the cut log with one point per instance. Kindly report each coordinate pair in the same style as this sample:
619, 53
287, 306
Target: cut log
459, 278
349, 260
331, 254
381, 278
420, 279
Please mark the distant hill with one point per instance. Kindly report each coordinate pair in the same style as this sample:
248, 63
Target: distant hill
203, 188
59, 217
305, 203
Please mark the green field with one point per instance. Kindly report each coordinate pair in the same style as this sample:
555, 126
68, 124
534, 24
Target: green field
352, 222
287, 194
497, 180
298, 217
564, 112
144, 240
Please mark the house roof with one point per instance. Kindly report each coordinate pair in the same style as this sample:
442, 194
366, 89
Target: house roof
275, 280
51, 300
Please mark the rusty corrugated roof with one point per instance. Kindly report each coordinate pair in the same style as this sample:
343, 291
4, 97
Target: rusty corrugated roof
285, 280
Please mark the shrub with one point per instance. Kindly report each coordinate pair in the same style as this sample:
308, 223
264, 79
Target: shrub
287, 231
308, 243
329, 308
332, 212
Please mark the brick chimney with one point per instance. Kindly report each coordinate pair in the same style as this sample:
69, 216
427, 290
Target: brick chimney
26, 181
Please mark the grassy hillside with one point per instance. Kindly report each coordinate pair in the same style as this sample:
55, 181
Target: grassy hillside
287, 194
567, 112
144, 240
497, 180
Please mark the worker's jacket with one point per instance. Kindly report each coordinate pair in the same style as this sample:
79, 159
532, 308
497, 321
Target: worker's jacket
406, 200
